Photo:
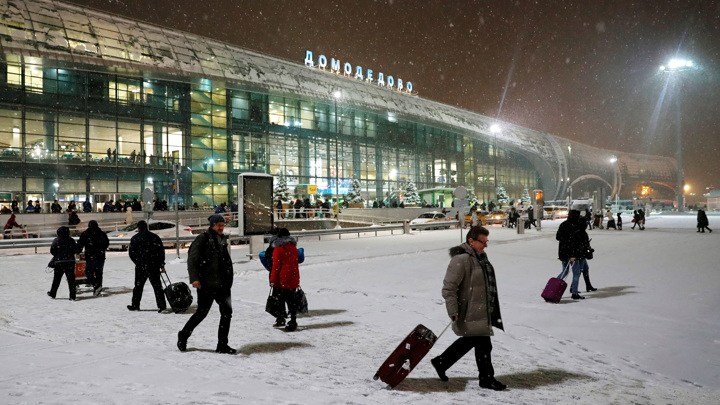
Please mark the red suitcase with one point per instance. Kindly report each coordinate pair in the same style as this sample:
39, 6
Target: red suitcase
407, 355
556, 287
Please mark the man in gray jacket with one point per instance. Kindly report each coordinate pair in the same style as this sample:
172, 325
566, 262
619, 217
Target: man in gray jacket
211, 273
471, 299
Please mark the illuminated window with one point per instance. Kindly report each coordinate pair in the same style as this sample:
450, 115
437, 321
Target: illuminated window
14, 70
124, 93
34, 79
33, 73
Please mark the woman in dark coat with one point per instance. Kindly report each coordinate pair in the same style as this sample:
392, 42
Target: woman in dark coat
702, 222
63, 251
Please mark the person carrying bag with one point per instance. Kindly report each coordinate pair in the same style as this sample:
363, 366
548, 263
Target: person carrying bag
285, 277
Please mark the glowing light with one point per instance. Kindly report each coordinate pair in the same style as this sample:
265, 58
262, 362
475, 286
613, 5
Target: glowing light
687, 187
495, 128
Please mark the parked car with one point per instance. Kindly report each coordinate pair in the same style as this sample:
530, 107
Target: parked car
482, 217
498, 216
428, 217
164, 229
555, 212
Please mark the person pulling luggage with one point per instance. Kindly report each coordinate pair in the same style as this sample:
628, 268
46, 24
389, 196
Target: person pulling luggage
471, 278
148, 254
95, 242
211, 272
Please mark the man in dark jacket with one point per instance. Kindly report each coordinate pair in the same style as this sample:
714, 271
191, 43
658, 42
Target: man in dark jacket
148, 254
63, 251
55, 207
572, 249
95, 242
211, 273
471, 299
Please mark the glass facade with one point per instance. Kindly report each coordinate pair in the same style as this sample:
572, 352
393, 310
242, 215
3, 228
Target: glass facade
79, 134
95, 105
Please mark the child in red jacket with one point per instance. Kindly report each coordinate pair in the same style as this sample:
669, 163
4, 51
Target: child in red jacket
285, 275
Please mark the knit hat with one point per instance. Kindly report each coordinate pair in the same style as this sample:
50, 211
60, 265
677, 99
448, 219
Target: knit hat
214, 219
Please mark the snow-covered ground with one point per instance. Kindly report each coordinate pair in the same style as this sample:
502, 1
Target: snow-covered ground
649, 335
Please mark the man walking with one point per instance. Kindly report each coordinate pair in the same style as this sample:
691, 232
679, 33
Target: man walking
95, 242
572, 250
148, 254
211, 273
471, 299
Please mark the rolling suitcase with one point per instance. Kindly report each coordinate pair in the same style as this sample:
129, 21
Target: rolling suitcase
406, 356
556, 287
178, 294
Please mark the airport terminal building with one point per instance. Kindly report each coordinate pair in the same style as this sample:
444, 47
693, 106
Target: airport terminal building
93, 105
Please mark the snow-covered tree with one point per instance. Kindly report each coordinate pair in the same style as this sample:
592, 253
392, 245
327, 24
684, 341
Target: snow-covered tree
502, 197
411, 193
353, 196
525, 197
281, 192
472, 198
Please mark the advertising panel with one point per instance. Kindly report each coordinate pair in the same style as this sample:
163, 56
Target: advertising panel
255, 194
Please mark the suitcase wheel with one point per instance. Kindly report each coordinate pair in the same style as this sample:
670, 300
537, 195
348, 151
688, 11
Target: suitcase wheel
376, 377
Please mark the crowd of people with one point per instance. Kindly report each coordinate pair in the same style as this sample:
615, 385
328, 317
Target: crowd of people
469, 277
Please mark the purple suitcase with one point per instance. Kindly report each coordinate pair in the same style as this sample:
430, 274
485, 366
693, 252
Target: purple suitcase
554, 290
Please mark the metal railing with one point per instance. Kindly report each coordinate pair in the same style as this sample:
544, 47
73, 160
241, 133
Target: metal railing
116, 241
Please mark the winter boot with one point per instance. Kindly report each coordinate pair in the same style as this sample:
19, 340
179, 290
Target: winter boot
225, 349
437, 364
291, 326
577, 297
51, 295
588, 284
492, 384
279, 322
182, 340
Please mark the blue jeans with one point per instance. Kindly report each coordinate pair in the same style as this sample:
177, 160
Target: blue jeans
577, 267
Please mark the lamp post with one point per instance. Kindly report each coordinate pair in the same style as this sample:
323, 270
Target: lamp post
177, 169
674, 67
336, 95
495, 129
617, 179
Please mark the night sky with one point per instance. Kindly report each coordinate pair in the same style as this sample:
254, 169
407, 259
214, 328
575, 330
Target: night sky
583, 70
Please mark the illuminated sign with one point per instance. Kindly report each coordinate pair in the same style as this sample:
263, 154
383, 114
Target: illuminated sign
361, 74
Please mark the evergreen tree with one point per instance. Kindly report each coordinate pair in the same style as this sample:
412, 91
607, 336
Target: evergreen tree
502, 197
411, 193
281, 192
354, 196
472, 198
525, 197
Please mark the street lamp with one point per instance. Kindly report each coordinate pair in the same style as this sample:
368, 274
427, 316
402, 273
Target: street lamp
337, 94
673, 67
495, 129
617, 180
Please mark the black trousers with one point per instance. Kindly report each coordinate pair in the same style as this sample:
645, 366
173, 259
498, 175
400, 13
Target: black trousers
288, 298
94, 272
205, 300
68, 269
142, 274
462, 345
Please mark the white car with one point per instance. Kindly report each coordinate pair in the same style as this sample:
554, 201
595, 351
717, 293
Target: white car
555, 212
163, 229
434, 216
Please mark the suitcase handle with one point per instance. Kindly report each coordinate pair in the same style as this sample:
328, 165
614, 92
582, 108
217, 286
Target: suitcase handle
162, 271
441, 333
566, 271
